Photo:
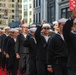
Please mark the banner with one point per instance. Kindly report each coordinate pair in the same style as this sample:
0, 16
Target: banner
72, 4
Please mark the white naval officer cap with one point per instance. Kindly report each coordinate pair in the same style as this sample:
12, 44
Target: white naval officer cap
7, 27
62, 20
3, 30
12, 30
25, 25
55, 22
74, 21
33, 25
20, 28
15, 30
32, 29
46, 25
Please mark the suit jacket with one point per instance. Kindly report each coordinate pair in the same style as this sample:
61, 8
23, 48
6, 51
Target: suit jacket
57, 49
10, 47
30, 43
70, 39
2, 41
5, 42
41, 45
19, 48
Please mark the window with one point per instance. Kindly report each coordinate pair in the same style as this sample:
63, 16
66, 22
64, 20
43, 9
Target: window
0, 16
13, 11
25, 20
13, 5
39, 3
30, 20
12, 20
30, 5
20, 11
12, 0
25, 7
39, 17
36, 3
65, 13
0, 22
19, 0
34, 18
25, 0
12, 16
52, 14
62, 0
30, 13
25, 13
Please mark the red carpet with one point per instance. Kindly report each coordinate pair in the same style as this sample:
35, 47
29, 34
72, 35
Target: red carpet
2, 72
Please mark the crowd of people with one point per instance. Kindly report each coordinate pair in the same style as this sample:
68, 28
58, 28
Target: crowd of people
39, 50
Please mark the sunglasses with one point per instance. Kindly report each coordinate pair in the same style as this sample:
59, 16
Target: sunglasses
46, 28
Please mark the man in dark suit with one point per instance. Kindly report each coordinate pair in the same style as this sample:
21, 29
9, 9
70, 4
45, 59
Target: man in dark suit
0, 50
10, 54
5, 45
22, 53
31, 44
42, 40
7, 30
70, 38
58, 52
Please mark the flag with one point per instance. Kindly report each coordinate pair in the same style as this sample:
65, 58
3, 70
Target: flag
72, 4
23, 21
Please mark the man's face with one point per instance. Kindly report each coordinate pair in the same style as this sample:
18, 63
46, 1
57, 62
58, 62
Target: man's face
15, 34
33, 33
24, 29
7, 30
46, 30
74, 13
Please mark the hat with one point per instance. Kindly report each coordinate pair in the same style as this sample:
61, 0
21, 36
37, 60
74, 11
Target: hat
7, 27
62, 20
3, 30
12, 30
55, 22
32, 29
20, 28
74, 21
33, 25
46, 25
15, 30
25, 25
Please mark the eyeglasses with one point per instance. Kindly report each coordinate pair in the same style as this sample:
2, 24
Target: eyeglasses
46, 28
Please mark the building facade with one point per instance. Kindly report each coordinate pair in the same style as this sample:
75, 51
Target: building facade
27, 11
64, 10
57, 9
10, 11
40, 10
50, 10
